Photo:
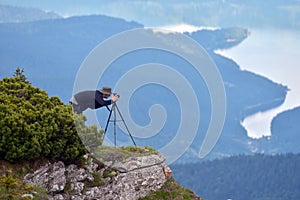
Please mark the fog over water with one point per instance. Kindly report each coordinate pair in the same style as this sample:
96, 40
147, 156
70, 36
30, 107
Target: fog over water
274, 54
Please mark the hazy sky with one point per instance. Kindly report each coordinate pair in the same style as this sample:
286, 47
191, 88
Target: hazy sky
82, 7
166, 12
149, 13
74, 7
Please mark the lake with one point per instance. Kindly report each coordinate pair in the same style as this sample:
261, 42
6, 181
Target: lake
274, 54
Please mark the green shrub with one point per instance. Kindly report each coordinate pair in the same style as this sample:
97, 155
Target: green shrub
33, 125
12, 188
171, 190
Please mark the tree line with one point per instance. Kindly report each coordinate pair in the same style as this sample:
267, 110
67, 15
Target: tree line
243, 177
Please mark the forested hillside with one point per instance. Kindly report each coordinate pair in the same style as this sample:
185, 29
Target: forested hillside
243, 177
288, 120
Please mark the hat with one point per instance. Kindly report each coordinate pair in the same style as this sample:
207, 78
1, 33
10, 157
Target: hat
105, 90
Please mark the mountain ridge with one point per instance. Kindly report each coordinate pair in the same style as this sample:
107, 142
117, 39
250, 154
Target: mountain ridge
250, 14
16, 14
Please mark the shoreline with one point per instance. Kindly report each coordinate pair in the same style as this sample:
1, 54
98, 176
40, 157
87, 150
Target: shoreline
272, 54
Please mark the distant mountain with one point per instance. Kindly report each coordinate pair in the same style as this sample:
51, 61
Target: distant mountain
217, 13
51, 51
221, 13
286, 130
9, 14
243, 177
251, 14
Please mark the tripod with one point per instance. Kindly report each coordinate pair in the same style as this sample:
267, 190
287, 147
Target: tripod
114, 109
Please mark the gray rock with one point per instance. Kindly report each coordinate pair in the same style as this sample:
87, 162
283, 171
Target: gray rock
76, 174
135, 178
51, 177
133, 163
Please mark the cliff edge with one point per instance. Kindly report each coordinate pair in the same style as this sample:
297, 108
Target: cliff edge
124, 173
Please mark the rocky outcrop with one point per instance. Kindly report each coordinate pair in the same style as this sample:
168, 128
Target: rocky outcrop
128, 179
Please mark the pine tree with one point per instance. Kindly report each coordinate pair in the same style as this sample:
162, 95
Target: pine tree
19, 73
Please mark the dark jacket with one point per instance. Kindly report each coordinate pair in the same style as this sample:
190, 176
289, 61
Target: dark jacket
91, 99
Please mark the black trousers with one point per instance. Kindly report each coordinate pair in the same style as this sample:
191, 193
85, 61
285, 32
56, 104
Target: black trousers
76, 108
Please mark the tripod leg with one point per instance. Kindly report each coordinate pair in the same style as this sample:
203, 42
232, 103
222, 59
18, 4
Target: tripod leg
115, 123
125, 124
108, 119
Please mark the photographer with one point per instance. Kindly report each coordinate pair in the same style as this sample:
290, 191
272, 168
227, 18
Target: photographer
92, 99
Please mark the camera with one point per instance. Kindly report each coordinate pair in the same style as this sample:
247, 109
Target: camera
116, 94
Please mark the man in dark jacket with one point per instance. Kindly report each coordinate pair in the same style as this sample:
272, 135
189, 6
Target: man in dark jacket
92, 99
